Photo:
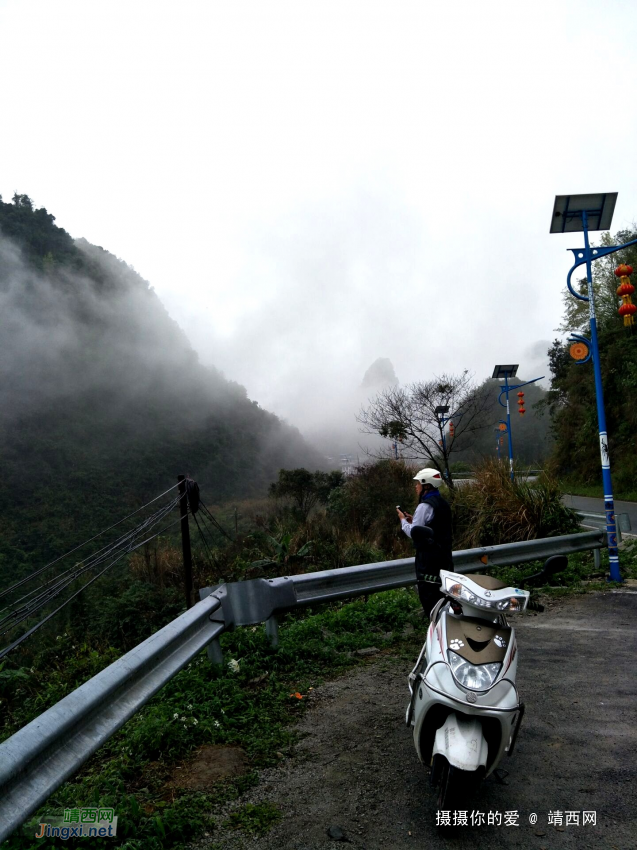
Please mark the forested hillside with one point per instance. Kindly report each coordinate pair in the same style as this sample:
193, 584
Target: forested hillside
572, 395
103, 400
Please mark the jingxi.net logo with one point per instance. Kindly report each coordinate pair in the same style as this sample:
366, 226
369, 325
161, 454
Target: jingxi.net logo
80, 823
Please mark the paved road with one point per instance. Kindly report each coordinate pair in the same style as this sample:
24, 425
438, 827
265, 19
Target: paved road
585, 503
356, 767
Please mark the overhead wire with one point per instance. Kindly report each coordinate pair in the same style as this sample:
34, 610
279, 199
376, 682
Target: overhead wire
91, 562
205, 542
123, 543
96, 557
39, 624
38, 572
216, 524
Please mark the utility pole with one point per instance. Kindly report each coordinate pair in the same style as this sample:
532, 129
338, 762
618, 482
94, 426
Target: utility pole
185, 539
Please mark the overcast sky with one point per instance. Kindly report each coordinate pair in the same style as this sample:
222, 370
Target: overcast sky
312, 185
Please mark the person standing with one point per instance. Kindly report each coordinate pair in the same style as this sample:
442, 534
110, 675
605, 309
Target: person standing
433, 553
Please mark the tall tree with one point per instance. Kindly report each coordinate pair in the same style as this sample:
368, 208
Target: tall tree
408, 415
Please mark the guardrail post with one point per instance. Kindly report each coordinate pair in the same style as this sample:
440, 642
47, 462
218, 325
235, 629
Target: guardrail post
597, 560
272, 631
215, 653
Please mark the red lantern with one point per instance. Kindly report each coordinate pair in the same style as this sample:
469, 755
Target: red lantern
625, 290
521, 411
452, 429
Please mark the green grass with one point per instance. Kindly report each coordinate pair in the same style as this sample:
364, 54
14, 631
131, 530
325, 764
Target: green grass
253, 707
255, 820
596, 491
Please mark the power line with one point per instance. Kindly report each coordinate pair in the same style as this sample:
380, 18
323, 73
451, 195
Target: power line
8, 590
95, 559
91, 562
64, 580
205, 542
214, 521
44, 620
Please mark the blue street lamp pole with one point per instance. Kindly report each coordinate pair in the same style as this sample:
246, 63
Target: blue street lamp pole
587, 256
505, 372
574, 213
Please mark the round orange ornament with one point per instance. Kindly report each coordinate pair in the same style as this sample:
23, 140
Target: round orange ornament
578, 351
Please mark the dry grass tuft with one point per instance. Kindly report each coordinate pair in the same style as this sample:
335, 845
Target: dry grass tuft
492, 509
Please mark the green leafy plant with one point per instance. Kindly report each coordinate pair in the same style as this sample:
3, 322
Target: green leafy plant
254, 819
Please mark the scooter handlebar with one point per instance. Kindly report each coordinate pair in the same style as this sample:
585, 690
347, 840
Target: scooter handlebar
431, 579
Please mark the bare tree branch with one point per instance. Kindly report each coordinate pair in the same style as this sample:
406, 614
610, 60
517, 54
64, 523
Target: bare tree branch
407, 415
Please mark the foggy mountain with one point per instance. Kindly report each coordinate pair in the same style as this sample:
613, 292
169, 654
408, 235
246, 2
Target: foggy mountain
336, 432
102, 399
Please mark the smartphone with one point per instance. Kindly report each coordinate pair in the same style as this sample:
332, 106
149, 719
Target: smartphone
398, 508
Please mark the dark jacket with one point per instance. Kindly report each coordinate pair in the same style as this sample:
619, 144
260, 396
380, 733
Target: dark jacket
434, 554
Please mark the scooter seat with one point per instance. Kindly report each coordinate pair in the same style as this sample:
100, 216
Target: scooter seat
487, 582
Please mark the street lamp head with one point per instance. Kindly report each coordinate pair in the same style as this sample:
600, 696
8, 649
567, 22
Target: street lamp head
568, 209
441, 409
505, 371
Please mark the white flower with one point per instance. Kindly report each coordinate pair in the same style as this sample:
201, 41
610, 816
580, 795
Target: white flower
222, 711
175, 716
190, 706
253, 629
217, 724
233, 664
194, 721
59, 637
183, 719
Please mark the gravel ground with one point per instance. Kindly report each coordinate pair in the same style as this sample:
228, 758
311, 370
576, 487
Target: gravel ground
356, 768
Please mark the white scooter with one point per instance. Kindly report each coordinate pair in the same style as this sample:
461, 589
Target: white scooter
465, 709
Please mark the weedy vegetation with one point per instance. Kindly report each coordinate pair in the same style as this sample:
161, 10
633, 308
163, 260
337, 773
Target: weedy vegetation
252, 700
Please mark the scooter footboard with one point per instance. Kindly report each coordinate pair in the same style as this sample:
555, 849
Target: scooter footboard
461, 741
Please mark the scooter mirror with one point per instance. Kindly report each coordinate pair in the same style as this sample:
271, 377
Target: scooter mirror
555, 564
552, 565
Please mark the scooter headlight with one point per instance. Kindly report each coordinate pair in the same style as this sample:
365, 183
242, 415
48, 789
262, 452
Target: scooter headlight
513, 604
455, 588
476, 677
459, 591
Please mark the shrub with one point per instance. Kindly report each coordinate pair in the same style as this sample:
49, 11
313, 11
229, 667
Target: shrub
365, 505
492, 509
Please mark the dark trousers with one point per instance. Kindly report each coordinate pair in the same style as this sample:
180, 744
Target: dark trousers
429, 562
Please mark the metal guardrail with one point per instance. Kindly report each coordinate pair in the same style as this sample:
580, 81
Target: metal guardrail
47, 751
597, 520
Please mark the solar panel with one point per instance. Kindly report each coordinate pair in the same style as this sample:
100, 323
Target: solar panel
567, 212
505, 371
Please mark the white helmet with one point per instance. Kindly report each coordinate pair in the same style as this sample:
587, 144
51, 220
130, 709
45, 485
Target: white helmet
429, 476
